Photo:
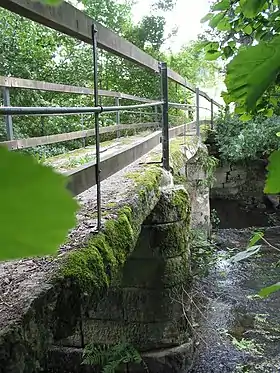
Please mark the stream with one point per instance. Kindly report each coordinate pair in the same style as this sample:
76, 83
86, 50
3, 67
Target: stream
235, 330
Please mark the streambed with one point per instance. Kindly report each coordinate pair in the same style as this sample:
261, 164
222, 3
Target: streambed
235, 331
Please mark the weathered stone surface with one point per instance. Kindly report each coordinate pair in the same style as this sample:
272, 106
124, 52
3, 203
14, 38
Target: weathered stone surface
200, 216
242, 182
140, 305
156, 273
173, 205
162, 241
143, 336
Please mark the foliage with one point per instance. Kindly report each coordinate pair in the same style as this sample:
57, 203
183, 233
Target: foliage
241, 141
110, 358
265, 292
239, 26
214, 218
36, 209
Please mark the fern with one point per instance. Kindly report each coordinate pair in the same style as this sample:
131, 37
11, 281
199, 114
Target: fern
110, 358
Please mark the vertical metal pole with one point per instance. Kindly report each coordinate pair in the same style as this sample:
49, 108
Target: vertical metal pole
165, 126
197, 111
83, 127
8, 118
156, 116
118, 117
212, 115
96, 123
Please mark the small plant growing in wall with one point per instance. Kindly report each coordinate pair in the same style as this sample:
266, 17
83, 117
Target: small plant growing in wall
214, 218
109, 358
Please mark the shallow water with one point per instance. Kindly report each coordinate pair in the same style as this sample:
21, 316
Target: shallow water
237, 332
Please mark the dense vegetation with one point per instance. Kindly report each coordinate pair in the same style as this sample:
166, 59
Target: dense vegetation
239, 141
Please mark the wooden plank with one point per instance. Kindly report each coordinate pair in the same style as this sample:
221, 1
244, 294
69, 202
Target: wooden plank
52, 139
84, 177
12, 82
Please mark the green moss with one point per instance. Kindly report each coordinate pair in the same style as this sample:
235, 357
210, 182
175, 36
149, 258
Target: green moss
86, 268
180, 199
146, 180
92, 267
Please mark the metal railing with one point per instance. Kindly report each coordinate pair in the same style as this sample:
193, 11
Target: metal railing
86, 30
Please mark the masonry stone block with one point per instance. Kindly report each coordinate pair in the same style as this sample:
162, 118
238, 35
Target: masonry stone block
156, 273
173, 205
143, 336
162, 241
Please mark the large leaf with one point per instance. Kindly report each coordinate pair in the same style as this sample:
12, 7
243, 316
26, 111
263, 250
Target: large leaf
36, 210
251, 72
272, 184
265, 292
245, 254
251, 8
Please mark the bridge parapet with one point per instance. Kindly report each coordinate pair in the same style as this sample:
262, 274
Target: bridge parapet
125, 281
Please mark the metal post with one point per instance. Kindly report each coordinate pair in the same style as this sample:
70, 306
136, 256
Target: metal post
8, 118
197, 111
96, 123
165, 129
118, 116
83, 127
156, 116
212, 115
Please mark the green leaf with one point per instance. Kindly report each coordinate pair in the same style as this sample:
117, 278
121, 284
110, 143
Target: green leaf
228, 52
216, 19
269, 113
278, 134
272, 184
248, 30
224, 25
251, 8
221, 5
36, 209
212, 55
212, 46
207, 18
257, 236
251, 72
245, 117
245, 254
269, 290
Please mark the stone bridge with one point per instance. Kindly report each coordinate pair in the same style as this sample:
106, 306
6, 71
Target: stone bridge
124, 282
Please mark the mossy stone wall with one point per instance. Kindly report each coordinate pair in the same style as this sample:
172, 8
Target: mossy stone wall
142, 304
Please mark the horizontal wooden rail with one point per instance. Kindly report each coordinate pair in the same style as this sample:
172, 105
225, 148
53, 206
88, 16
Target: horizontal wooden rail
52, 139
12, 82
84, 177
71, 21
